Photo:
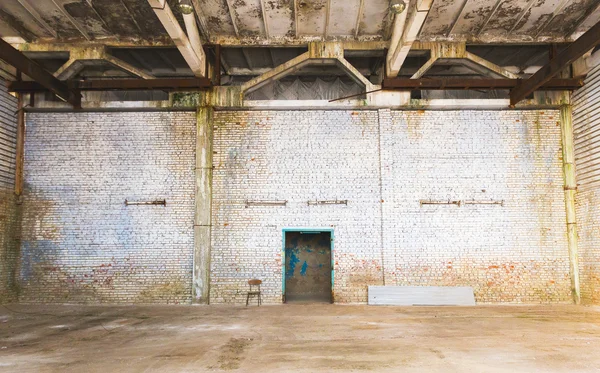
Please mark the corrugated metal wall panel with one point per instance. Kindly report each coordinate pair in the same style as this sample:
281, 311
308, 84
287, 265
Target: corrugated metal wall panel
8, 137
586, 122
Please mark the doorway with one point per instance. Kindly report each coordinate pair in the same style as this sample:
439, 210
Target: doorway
308, 270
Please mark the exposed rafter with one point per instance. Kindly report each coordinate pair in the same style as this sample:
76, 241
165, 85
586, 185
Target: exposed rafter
490, 16
361, 9
574, 51
233, 18
194, 56
590, 11
327, 16
28, 67
263, 8
72, 20
69, 69
558, 9
457, 18
34, 13
296, 18
520, 17
406, 29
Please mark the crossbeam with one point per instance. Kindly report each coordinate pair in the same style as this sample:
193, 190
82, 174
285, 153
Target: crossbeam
404, 84
574, 51
170, 84
28, 67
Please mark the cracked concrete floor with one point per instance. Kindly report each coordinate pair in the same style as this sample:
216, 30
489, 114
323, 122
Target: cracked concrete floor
299, 338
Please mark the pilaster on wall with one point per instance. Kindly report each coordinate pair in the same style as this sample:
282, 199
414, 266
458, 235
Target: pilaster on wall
202, 219
566, 127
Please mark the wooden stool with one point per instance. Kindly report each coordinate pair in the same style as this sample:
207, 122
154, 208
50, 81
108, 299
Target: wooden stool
254, 283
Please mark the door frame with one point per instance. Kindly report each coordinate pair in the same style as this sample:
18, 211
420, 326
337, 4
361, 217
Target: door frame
307, 230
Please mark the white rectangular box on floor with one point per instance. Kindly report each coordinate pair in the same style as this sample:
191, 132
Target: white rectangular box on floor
421, 296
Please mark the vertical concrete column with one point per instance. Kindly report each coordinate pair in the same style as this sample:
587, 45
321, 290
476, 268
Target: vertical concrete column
566, 127
203, 215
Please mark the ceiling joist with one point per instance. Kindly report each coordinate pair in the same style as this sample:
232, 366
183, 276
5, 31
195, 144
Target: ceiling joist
28, 67
407, 26
574, 51
194, 56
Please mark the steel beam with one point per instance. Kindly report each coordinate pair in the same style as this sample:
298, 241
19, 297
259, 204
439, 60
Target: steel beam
28, 67
574, 51
465, 84
177, 84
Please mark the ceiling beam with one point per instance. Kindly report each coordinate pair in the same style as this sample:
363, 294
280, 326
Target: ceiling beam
406, 29
194, 56
233, 18
405, 84
458, 17
296, 18
361, 9
558, 9
69, 69
520, 17
170, 84
72, 20
28, 67
574, 51
490, 16
34, 13
263, 8
585, 17
327, 16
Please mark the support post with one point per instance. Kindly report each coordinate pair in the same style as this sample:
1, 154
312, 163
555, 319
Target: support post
20, 145
203, 215
566, 127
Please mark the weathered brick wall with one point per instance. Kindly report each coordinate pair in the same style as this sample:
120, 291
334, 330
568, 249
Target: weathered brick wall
516, 252
586, 122
80, 242
9, 210
295, 156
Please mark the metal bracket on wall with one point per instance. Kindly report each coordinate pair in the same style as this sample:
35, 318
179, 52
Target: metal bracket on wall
432, 202
336, 202
160, 202
501, 203
459, 203
266, 203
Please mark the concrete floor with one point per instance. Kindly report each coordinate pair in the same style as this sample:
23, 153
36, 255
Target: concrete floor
299, 338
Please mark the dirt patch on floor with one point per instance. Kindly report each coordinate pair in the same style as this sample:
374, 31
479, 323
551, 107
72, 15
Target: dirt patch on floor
232, 353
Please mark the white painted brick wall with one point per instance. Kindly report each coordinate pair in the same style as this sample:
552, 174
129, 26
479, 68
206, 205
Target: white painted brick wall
80, 242
293, 156
511, 253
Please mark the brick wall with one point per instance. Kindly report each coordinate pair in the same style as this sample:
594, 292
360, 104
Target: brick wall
9, 209
515, 252
586, 122
80, 242
295, 156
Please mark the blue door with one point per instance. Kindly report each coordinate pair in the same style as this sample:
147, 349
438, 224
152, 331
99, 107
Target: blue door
308, 267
